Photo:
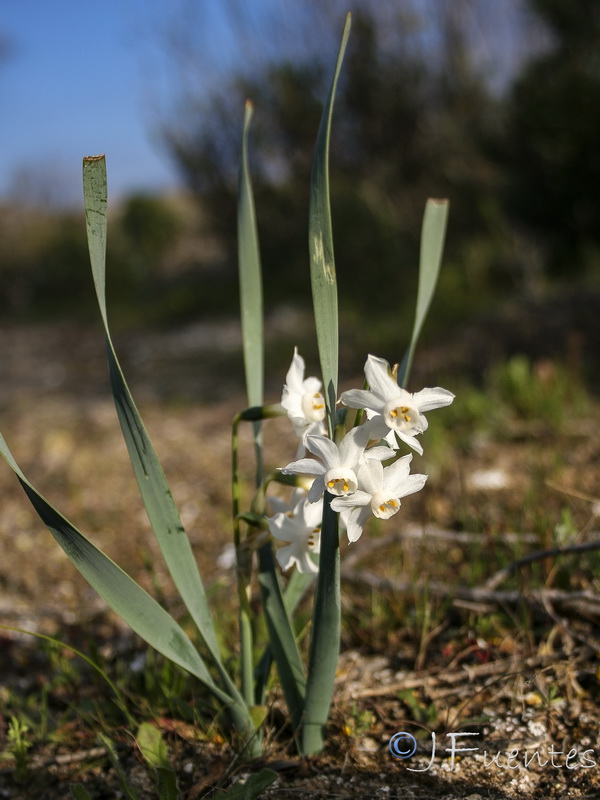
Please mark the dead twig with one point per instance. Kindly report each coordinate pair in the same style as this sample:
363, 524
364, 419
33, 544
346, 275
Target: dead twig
589, 498
506, 667
588, 639
426, 533
64, 759
502, 574
582, 602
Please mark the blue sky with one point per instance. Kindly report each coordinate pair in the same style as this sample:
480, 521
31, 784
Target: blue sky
75, 84
86, 78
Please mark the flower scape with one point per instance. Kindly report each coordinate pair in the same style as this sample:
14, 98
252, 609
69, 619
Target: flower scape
362, 470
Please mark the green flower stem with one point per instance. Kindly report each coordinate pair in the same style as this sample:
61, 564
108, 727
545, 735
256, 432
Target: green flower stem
244, 554
325, 638
246, 644
235, 481
243, 576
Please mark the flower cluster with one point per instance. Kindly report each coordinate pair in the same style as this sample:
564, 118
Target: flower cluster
353, 471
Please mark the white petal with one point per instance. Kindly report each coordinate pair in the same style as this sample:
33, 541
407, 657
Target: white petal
317, 490
277, 505
311, 514
370, 476
411, 441
306, 565
413, 483
285, 556
378, 378
295, 374
395, 475
380, 452
359, 498
428, 399
355, 522
283, 527
297, 419
362, 398
344, 514
353, 445
304, 466
325, 449
314, 428
311, 385
378, 429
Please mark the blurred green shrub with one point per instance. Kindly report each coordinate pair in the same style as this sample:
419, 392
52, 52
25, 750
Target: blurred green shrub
543, 391
153, 254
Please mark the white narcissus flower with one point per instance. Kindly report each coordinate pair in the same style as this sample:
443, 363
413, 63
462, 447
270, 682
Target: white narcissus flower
300, 525
302, 399
335, 467
379, 491
391, 408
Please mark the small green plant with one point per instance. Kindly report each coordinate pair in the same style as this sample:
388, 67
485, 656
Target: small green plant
349, 468
19, 744
154, 750
360, 721
422, 713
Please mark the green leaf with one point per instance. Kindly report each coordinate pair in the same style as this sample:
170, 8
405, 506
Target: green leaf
154, 750
250, 277
325, 637
135, 606
433, 233
79, 792
320, 242
282, 639
152, 745
252, 335
127, 599
166, 781
155, 492
297, 586
325, 634
251, 788
156, 495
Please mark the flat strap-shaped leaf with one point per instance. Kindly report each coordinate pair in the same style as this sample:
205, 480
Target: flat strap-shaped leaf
251, 301
282, 639
132, 603
433, 234
325, 633
320, 244
156, 495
